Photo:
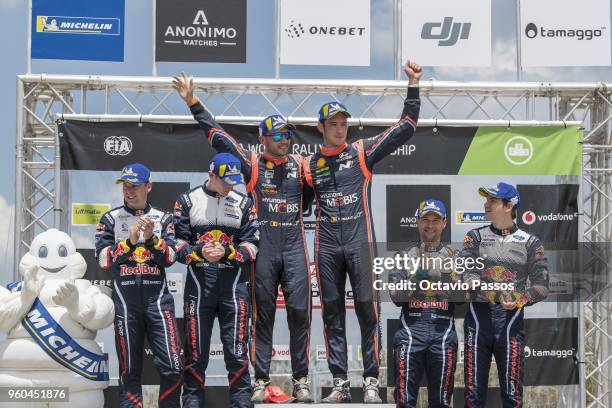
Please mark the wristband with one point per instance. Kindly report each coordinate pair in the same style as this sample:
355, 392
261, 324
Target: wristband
193, 101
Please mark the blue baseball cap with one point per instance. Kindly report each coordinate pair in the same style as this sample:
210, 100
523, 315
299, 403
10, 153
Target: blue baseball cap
135, 173
227, 167
273, 124
331, 109
502, 190
431, 206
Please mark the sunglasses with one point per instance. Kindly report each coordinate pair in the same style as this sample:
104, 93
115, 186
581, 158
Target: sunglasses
277, 137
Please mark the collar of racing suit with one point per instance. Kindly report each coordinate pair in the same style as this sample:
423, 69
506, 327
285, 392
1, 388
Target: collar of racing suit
332, 151
210, 192
430, 248
136, 212
504, 232
276, 161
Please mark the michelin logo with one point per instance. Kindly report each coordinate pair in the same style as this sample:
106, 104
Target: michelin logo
78, 25
470, 217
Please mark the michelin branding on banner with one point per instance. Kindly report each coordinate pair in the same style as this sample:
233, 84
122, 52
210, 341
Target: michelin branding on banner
447, 32
78, 30
337, 33
565, 33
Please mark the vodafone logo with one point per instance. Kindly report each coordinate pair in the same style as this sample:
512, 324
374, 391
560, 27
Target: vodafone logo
529, 217
281, 352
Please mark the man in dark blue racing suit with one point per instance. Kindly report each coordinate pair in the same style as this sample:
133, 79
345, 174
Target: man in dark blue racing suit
217, 233
494, 322
275, 179
136, 243
426, 339
341, 175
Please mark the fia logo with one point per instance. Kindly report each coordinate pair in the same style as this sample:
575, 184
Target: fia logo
449, 33
117, 146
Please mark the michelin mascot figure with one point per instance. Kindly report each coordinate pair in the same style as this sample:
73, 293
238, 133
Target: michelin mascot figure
51, 319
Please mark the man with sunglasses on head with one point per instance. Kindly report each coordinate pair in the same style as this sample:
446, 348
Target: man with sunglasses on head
275, 179
341, 175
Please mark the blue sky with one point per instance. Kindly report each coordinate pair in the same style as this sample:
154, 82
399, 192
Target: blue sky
260, 63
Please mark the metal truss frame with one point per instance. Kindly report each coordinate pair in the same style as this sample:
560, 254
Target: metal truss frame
41, 99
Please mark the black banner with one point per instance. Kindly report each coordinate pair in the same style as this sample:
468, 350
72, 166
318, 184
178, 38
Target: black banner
200, 30
551, 213
184, 147
550, 353
402, 204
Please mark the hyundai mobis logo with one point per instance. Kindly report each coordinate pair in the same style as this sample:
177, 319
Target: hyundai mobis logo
296, 29
580, 34
447, 32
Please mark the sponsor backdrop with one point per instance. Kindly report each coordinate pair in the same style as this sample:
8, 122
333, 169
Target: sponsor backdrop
449, 164
555, 33
322, 32
447, 32
200, 31
78, 30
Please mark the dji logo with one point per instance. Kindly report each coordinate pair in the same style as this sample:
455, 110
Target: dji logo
295, 30
449, 33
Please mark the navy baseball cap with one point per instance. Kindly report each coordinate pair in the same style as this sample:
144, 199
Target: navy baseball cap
227, 167
502, 190
135, 173
331, 109
273, 124
431, 206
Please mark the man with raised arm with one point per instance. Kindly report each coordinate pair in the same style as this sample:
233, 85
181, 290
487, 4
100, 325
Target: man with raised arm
341, 176
276, 182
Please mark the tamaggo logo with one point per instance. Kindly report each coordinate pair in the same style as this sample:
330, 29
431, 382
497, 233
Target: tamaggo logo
518, 150
118, 145
533, 31
447, 32
532, 352
470, 217
78, 25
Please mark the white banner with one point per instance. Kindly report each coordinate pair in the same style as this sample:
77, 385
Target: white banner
447, 32
565, 33
323, 32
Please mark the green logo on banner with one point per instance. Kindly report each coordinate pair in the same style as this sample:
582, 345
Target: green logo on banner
518, 150
88, 214
524, 151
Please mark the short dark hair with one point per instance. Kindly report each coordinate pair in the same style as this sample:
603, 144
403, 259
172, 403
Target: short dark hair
514, 208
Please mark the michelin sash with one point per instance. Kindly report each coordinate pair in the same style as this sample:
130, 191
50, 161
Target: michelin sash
58, 344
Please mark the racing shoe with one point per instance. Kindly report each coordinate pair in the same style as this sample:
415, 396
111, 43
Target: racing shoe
370, 391
259, 391
341, 393
301, 390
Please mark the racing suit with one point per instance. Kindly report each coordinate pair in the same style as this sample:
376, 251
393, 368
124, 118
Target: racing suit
426, 338
341, 179
216, 289
280, 195
143, 304
510, 256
